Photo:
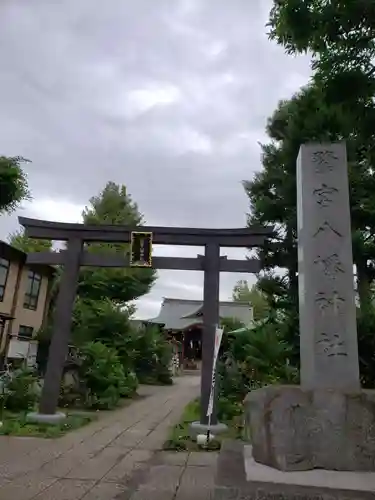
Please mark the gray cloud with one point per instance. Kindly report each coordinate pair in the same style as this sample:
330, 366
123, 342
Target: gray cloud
167, 97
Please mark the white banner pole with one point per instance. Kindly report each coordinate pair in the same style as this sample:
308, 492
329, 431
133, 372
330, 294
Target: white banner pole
218, 338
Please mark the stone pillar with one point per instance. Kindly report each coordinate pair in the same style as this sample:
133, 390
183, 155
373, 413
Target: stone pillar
327, 422
327, 312
211, 289
59, 346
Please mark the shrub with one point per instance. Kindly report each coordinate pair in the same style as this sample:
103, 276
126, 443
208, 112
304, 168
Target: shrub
255, 357
153, 356
22, 390
142, 350
104, 378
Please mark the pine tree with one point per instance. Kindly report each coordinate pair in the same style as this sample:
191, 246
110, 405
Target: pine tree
13, 183
113, 206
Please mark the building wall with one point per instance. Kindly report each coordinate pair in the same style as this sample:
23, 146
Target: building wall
29, 317
6, 305
14, 296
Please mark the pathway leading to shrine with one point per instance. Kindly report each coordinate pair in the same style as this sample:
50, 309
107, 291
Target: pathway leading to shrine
117, 457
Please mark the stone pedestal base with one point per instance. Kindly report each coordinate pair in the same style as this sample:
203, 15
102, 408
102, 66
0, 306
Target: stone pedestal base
197, 428
294, 429
238, 476
40, 418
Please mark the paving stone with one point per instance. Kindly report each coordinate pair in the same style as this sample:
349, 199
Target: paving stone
153, 441
25, 487
143, 427
99, 440
128, 439
150, 493
96, 450
208, 494
198, 477
208, 458
195, 494
66, 489
61, 466
96, 467
4, 481
16, 469
121, 472
163, 477
104, 491
171, 458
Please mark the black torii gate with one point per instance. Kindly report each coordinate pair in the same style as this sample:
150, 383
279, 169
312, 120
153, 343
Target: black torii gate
141, 240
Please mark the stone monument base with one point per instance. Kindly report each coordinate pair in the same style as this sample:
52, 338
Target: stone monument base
239, 476
294, 429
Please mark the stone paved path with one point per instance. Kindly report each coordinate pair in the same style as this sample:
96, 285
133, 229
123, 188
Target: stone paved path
118, 457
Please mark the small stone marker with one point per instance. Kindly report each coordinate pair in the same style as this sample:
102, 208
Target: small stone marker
328, 330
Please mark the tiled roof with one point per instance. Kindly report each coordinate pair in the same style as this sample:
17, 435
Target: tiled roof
178, 314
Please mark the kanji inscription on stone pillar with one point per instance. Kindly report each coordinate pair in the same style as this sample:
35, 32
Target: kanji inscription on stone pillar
328, 334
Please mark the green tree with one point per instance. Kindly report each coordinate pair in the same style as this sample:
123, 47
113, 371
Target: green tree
340, 35
103, 376
13, 183
341, 38
113, 206
242, 292
103, 321
19, 240
272, 193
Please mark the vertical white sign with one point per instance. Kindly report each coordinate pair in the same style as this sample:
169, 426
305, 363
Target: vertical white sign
218, 337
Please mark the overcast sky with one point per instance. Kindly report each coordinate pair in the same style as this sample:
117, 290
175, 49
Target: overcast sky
169, 97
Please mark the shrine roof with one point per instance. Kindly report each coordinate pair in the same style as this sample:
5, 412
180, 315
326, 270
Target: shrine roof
179, 314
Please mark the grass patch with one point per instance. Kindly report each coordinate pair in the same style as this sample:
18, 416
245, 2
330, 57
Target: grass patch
179, 436
16, 425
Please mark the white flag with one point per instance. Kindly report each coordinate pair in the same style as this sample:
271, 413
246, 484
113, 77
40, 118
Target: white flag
218, 337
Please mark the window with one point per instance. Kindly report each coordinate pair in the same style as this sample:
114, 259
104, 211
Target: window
32, 290
25, 332
4, 270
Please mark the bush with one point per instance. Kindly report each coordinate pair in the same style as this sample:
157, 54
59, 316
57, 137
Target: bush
153, 356
255, 358
103, 376
22, 390
142, 350
366, 345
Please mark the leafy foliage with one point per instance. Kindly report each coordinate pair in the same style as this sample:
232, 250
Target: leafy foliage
22, 391
101, 317
242, 292
18, 425
19, 240
256, 357
341, 38
104, 378
153, 355
13, 183
113, 206
337, 105
272, 194
144, 350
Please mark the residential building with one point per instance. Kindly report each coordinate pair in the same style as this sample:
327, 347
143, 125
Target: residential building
24, 300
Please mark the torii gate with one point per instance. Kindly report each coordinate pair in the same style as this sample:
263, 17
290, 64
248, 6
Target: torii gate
141, 239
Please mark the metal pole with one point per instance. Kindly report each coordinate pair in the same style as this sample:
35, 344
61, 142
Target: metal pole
211, 289
59, 346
